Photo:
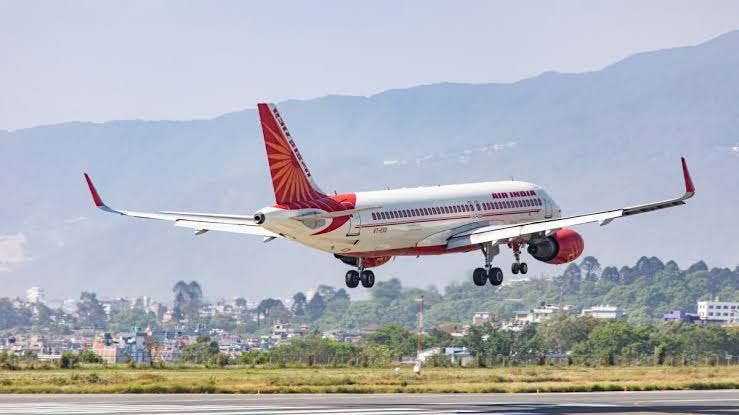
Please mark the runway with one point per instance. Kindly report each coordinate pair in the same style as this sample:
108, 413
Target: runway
668, 402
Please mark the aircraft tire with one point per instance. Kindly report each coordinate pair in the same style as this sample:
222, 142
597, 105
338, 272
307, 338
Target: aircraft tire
479, 276
368, 279
352, 279
496, 276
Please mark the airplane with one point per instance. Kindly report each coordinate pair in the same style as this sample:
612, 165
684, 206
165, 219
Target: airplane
366, 229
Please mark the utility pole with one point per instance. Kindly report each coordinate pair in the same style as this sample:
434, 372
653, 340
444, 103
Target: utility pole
417, 366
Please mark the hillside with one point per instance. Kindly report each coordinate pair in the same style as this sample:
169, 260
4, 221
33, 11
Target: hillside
595, 140
645, 291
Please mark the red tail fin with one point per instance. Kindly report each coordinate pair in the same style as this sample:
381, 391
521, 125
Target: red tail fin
291, 178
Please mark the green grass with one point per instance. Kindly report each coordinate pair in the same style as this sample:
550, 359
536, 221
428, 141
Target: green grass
367, 380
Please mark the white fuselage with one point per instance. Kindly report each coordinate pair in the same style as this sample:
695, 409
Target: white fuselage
415, 221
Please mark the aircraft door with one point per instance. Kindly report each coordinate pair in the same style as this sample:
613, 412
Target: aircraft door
355, 221
547, 208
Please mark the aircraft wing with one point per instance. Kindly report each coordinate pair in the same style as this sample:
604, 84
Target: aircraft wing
201, 222
507, 233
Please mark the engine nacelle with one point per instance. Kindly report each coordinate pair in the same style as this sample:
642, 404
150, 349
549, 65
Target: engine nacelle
562, 247
366, 262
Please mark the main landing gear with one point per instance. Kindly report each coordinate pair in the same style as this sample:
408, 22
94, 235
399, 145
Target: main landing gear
518, 266
494, 274
366, 277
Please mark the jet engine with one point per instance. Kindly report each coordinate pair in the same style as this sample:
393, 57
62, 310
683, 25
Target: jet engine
562, 247
366, 262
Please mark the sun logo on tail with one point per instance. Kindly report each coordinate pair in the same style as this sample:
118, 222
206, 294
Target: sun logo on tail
291, 178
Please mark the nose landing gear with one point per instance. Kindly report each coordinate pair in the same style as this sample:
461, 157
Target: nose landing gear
518, 266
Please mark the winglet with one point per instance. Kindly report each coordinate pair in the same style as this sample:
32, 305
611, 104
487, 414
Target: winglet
689, 188
95, 196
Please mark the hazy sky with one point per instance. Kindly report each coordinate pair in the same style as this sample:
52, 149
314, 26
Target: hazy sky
97, 61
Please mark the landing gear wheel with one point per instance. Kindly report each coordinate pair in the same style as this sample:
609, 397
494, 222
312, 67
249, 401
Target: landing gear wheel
523, 268
367, 278
479, 276
352, 279
496, 276
515, 267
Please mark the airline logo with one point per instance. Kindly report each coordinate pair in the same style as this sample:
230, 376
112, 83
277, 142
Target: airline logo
290, 141
291, 178
506, 195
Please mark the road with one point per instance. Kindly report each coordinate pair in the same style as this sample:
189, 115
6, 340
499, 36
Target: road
668, 402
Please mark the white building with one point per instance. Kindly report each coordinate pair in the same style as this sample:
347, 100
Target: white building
725, 311
539, 314
605, 312
36, 295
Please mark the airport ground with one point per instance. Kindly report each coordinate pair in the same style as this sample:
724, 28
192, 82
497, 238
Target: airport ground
529, 379
654, 402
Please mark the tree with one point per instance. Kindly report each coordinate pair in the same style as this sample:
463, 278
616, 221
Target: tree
187, 300
202, 351
153, 347
326, 291
591, 267
10, 316
611, 274
68, 360
272, 309
299, 303
397, 338
88, 356
126, 319
90, 312
615, 338
387, 291
315, 308
571, 278
560, 333
649, 266
698, 266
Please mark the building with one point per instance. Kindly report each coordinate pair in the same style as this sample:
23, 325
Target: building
604, 312
539, 314
481, 318
724, 312
679, 315
458, 355
126, 347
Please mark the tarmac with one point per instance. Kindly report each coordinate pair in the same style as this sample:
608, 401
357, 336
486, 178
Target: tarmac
662, 402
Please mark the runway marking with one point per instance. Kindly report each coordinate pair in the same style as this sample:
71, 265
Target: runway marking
204, 409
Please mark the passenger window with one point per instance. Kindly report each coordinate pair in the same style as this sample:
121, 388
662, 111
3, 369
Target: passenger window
374, 216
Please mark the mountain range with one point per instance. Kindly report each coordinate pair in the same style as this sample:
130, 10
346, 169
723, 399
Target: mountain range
595, 140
